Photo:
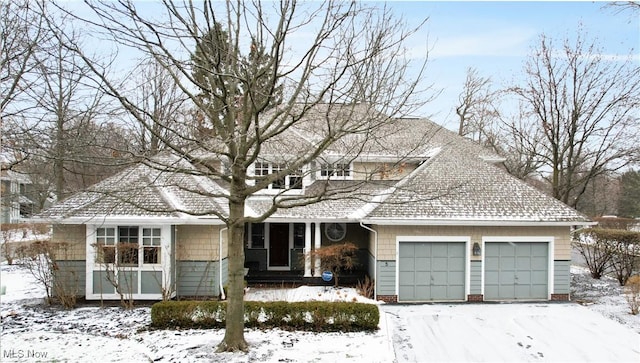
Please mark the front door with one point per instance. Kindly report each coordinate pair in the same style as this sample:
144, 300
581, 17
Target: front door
278, 245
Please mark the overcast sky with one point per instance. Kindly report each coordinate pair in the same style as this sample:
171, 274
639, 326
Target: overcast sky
496, 37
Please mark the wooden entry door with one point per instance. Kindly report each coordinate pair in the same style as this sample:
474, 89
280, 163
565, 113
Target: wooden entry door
278, 245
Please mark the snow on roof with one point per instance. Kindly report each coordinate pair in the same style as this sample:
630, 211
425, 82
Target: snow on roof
457, 186
455, 182
161, 187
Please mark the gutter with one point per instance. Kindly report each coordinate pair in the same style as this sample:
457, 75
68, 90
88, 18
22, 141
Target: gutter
472, 222
222, 295
375, 260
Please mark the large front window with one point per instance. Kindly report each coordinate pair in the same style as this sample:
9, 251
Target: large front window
122, 244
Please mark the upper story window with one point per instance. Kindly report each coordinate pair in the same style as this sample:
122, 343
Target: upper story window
335, 171
291, 181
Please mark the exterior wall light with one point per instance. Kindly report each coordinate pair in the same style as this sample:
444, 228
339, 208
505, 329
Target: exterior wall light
476, 249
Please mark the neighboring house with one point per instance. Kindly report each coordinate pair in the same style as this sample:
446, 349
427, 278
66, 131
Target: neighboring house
438, 222
14, 193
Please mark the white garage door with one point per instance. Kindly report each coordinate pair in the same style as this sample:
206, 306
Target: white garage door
517, 270
431, 271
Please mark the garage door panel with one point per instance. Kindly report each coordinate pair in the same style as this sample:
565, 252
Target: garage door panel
406, 251
539, 277
422, 292
523, 250
439, 278
540, 250
539, 263
506, 249
508, 263
407, 291
455, 277
422, 264
456, 290
406, 264
439, 290
422, 249
439, 264
434, 268
439, 249
422, 277
539, 290
506, 278
523, 263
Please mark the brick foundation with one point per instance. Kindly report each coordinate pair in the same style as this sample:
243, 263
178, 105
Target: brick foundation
475, 298
559, 297
388, 298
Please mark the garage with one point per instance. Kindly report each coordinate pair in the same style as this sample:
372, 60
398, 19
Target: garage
431, 271
516, 270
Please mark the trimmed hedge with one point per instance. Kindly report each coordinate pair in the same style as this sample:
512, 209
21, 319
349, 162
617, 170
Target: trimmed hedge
307, 315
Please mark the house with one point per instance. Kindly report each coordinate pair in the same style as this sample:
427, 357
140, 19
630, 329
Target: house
434, 215
15, 193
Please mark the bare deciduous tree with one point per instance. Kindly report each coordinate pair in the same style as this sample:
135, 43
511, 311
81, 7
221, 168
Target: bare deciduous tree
342, 69
476, 108
22, 33
583, 103
158, 94
21, 36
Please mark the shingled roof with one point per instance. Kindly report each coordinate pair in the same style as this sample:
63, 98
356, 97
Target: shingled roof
160, 188
456, 187
456, 182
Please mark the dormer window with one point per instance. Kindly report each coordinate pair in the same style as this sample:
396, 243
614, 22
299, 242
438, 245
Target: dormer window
290, 181
335, 171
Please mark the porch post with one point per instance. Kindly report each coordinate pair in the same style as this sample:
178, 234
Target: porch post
307, 249
318, 238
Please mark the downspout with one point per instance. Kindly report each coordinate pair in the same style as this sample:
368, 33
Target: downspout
222, 295
174, 253
375, 260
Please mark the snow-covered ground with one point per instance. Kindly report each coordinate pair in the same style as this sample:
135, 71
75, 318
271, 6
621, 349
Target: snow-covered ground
33, 332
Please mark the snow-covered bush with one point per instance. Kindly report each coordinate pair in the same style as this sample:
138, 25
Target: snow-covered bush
307, 315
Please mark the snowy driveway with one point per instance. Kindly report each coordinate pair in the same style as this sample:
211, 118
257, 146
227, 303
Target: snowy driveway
507, 332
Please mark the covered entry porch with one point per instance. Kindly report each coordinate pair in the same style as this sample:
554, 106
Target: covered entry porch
275, 251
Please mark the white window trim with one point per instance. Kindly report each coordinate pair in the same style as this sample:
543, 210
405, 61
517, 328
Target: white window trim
93, 266
287, 180
323, 165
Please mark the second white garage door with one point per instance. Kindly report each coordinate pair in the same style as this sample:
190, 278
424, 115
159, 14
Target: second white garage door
431, 271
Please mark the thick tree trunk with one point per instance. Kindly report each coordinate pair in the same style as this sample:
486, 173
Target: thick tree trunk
234, 333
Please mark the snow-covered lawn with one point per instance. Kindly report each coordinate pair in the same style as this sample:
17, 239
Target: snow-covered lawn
601, 330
